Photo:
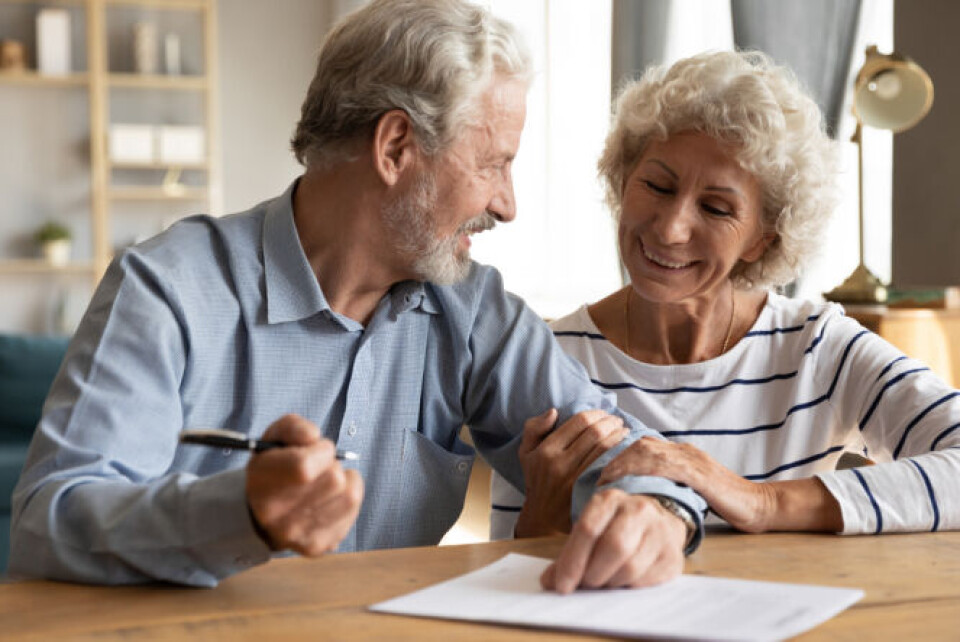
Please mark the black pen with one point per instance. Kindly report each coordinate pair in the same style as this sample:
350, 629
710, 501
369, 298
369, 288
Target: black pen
238, 441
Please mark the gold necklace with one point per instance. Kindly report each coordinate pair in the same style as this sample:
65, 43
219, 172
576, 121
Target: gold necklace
626, 322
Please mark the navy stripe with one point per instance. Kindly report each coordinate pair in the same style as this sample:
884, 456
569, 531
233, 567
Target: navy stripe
876, 507
801, 462
665, 391
796, 328
946, 432
927, 410
890, 365
508, 509
575, 333
752, 333
876, 401
742, 382
816, 341
933, 498
797, 408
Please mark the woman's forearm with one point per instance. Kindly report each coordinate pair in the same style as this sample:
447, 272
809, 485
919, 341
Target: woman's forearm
803, 505
752, 507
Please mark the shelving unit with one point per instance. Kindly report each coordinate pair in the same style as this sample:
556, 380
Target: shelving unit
100, 81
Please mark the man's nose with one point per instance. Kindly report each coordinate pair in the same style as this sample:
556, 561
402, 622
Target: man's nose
503, 205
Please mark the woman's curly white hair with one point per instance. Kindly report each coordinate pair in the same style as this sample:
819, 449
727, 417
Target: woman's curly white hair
743, 99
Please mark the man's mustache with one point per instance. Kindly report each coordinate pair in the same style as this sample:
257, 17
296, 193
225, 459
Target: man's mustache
481, 223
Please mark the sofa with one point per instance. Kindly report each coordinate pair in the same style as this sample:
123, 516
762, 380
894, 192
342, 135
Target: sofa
28, 365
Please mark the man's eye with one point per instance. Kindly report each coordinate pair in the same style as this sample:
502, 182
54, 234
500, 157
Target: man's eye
657, 188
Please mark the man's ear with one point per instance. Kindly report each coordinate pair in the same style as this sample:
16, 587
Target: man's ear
394, 145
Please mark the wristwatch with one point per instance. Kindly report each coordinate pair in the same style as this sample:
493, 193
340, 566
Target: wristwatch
681, 512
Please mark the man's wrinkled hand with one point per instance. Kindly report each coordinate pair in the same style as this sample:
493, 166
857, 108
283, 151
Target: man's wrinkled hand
620, 541
300, 497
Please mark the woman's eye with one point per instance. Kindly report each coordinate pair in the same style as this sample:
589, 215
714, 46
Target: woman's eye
657, 188
716, 211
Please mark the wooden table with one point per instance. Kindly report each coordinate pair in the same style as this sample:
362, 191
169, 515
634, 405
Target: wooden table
912, 585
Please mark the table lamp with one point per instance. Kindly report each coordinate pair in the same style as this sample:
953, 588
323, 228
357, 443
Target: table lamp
890, 92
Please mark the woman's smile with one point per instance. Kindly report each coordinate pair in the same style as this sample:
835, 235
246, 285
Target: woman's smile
662, 261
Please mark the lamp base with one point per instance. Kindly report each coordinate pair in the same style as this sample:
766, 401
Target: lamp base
860, 287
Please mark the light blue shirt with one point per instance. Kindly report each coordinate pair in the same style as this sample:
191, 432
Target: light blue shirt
220, 323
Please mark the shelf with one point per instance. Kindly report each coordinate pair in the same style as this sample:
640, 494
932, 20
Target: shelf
174, 5
39, 266
73, 3
157, 81
32, 78
203, 166
157, 194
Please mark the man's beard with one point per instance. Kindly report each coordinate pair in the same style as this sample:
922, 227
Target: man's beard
410, 221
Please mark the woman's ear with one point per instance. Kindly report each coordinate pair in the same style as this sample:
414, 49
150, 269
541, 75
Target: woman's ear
755, 251
394, 145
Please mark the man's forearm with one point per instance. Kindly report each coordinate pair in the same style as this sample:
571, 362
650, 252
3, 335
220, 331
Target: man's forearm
192, 532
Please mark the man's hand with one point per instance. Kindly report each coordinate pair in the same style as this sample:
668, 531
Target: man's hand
552, 462
620, 540
299, 495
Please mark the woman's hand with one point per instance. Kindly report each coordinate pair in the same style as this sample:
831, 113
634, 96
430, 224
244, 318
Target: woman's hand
552, 460
746, 505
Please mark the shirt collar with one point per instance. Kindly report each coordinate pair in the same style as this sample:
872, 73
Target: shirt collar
292, 290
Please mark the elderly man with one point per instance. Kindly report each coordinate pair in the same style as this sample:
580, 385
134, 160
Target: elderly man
351, 301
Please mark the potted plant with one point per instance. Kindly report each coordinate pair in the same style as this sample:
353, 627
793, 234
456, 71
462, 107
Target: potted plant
54, 240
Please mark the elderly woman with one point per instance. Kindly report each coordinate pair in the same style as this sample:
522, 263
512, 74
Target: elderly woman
721, 178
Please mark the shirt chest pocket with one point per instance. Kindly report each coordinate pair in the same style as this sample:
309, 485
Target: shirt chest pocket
433, 484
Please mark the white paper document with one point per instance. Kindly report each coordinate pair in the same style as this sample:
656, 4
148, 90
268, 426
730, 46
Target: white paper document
689, 607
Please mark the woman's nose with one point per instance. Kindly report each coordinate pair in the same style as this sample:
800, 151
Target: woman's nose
673, 222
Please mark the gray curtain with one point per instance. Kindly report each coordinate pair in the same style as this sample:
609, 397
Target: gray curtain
813, 37
639, 37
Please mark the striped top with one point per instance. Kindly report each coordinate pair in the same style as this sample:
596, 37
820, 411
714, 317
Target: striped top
803, 385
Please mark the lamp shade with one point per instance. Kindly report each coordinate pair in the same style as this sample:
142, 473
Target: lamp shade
891, 92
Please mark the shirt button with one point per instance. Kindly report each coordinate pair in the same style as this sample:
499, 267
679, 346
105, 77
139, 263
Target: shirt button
462, 466
352, 429
227, 452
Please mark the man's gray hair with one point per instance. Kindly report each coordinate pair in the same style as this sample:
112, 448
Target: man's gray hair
430, 58
744, 99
